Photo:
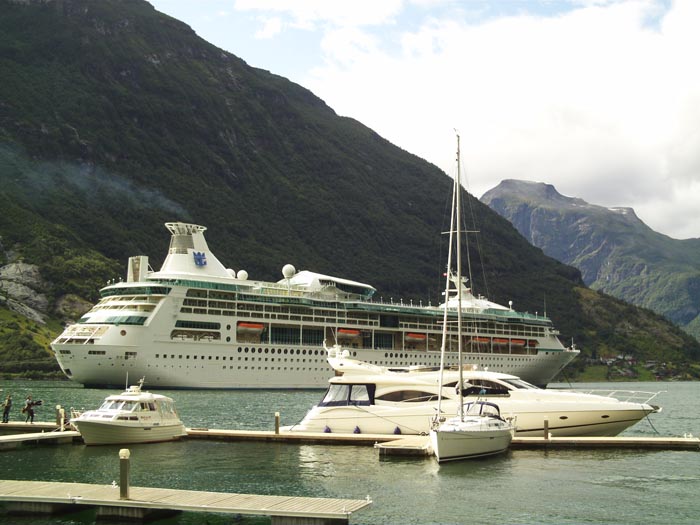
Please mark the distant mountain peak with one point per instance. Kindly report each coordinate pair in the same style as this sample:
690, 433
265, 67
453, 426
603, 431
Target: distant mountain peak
614, 250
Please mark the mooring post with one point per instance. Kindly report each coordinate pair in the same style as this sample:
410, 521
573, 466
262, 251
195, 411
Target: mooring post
60, 417
546, 429
124, 455
277, 422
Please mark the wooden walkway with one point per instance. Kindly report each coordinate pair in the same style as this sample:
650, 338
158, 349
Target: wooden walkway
14, 440
53, 497
420, 445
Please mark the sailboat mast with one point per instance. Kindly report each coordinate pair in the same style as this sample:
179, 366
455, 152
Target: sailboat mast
448, 278
458, 232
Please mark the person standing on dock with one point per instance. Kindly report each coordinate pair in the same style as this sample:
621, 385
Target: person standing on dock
6, 406
29, 409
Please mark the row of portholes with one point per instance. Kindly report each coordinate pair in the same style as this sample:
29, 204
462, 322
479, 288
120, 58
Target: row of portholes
283, 351
499, 358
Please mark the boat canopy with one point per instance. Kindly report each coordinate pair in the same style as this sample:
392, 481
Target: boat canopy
317, 282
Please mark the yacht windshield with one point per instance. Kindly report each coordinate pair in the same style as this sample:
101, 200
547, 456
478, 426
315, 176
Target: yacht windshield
519, 384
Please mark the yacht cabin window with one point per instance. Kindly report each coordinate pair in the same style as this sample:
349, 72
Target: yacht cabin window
410, 396
347, 395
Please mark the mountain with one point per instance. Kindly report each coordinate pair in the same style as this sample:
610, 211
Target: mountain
115, 119
616, 252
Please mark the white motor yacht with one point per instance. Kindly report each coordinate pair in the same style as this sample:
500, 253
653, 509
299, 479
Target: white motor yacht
372, 399
134, 416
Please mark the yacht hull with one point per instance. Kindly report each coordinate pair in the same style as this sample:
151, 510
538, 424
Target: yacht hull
113, 433
562, 421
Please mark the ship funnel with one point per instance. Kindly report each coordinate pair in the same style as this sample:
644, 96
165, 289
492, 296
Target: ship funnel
189, 253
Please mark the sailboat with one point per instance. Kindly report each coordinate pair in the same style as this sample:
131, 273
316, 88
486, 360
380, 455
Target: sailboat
478, 429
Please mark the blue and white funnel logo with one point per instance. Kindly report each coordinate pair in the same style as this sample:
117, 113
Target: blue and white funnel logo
200, 258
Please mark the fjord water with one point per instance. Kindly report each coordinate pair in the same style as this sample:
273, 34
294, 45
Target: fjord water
523, 486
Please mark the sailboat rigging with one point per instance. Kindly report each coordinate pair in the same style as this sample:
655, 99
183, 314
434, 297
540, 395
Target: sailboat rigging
483, 431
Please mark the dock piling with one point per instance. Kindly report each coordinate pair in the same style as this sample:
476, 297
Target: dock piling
124, 455
277, 422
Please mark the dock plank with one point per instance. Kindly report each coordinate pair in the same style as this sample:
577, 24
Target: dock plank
182, 500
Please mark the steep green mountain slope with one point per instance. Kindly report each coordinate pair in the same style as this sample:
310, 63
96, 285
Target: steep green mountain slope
115, 119
616, 252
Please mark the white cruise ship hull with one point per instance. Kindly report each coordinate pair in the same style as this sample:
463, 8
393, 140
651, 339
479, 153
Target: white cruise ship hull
175, 365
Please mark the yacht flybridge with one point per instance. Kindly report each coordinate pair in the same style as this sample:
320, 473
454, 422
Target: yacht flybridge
197, 324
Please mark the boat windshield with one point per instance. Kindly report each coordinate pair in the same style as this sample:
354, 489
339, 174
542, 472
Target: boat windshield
127, 406
485, 387
481, 409
519, 384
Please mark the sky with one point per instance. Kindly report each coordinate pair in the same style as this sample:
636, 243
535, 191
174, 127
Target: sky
600, 98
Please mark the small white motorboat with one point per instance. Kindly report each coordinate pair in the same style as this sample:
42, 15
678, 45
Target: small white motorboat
480, 431
134, 416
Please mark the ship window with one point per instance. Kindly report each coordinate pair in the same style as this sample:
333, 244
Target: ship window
198, 324
389, 321
125, 319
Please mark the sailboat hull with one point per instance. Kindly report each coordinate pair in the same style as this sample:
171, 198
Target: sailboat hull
457, 439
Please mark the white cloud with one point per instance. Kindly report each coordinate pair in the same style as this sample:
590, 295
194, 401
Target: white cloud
596, 100
308, 14
271, 27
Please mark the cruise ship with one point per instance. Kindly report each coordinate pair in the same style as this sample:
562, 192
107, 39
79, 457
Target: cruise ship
196, 324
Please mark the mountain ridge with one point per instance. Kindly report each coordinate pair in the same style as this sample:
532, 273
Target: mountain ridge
616, 251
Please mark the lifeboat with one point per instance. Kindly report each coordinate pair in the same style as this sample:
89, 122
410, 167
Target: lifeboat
348, 332
250, 328
415, 338
532, 343
481, 339
518, 342
498, 341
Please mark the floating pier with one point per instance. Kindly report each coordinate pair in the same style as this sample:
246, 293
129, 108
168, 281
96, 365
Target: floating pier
387, 444
40, 497
420, 445
124, 502
54, 438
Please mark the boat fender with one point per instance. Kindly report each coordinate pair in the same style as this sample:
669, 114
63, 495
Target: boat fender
356, 430
327, 430
397, 431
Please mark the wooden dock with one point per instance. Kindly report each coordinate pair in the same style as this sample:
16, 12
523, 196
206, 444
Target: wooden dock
11, 441
319, 438
33, 497
387, 444
420, 445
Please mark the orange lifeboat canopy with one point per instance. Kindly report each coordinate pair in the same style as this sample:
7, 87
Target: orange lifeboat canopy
250, 328
348, 332
415, 337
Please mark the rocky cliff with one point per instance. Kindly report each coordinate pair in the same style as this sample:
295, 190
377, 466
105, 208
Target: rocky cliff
614, 250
